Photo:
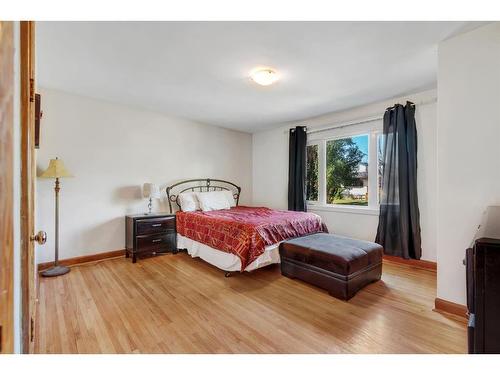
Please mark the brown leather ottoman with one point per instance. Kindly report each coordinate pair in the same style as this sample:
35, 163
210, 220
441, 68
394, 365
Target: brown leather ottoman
338, 264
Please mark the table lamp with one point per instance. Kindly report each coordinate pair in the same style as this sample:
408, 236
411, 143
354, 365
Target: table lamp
150, 191
56, 170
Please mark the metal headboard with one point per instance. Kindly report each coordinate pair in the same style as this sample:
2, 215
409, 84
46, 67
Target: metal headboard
200, 185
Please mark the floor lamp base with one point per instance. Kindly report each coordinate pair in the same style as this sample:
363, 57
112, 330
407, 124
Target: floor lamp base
55, 271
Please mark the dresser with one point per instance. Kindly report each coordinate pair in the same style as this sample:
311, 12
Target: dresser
150, 235
483, 286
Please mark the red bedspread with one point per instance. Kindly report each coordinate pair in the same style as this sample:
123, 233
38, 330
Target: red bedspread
246, 231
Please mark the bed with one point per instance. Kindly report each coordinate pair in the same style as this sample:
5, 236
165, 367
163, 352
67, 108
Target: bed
238, 238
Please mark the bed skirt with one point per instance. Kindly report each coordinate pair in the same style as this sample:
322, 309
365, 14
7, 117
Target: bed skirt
227, 261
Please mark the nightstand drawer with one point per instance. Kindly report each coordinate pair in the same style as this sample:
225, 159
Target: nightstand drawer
162, 242
155, 225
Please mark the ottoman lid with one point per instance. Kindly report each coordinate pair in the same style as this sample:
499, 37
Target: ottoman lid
334, 253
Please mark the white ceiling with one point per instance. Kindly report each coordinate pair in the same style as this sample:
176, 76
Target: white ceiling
199, 70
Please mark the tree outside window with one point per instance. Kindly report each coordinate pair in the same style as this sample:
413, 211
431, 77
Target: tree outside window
347, 171
312, 168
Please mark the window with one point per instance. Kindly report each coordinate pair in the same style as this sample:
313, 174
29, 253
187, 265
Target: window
347, 171
312, 173
344, 167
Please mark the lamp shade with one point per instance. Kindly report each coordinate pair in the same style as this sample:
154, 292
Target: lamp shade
150, 190
56, 169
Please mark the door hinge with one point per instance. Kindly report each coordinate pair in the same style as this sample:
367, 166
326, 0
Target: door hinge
32, 90
32, 329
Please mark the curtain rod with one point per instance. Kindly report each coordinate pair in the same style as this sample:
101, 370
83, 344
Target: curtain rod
346, 124
362, 120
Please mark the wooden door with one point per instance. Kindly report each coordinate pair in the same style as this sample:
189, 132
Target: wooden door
6, 187
28, 175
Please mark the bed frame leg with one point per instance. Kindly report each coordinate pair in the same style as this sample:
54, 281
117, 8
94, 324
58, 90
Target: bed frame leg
228, 274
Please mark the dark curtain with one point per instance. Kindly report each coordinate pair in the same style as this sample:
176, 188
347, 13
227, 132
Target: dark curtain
297, 169
399, 222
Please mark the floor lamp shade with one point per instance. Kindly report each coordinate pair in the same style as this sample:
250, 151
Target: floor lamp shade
57, 170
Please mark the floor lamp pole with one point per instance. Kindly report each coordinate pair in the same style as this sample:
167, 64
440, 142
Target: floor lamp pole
56, 270
57, 189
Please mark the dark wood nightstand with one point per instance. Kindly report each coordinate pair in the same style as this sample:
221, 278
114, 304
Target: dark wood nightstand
150, 235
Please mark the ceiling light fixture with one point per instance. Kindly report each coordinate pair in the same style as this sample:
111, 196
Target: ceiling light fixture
264, 76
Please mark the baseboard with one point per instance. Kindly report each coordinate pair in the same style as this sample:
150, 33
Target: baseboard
423, 264
450, 308
83, 259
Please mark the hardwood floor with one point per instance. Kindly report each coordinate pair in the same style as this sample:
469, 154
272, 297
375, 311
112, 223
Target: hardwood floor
176, 304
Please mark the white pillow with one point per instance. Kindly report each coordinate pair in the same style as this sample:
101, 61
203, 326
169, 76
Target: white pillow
189, 202
230, 198
213, 200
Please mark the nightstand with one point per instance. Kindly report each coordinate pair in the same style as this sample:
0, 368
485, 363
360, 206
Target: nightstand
150, 235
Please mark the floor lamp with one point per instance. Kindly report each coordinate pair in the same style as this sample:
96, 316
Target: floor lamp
56, 170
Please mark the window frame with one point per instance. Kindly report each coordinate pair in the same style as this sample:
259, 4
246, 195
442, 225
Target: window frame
377, 134
372, 129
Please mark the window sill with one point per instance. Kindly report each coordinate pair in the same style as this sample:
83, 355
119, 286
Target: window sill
344, 209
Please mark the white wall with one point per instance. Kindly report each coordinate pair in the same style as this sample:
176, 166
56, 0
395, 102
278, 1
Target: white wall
270, 170
468, 147
112, 150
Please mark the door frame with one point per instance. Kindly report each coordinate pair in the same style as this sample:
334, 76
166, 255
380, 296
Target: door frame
6, 186
28, 175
